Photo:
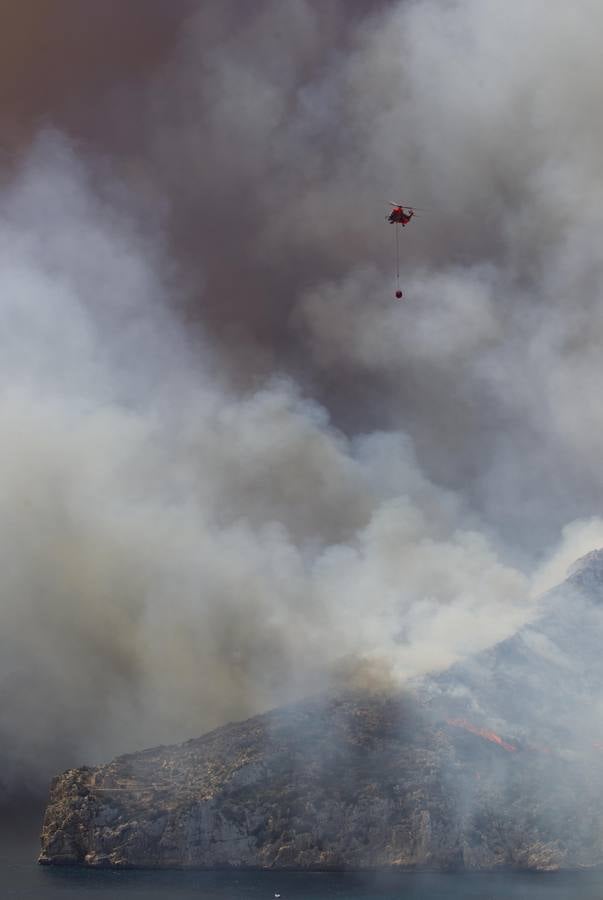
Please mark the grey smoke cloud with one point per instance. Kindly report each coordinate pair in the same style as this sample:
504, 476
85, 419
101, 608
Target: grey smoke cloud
177, 552
483, 113
231, 461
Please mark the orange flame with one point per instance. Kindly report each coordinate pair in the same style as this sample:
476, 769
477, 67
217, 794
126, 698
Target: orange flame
482, 732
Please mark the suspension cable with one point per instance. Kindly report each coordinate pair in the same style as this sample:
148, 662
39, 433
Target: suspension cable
397, 230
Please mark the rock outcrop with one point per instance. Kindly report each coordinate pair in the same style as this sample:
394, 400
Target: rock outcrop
450, 776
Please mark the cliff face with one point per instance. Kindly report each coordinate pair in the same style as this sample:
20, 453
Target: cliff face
468, 771
347, 783
315, 785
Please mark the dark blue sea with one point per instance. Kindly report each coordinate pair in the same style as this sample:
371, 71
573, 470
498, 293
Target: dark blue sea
20, 877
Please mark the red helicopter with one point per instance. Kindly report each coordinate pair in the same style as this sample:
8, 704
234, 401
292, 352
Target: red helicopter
400, 215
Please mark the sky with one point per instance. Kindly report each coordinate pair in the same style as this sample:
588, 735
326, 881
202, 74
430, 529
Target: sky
234, 469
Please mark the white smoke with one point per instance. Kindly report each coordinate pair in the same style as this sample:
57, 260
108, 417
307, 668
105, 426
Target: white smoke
204, 520
482, 112
174, 552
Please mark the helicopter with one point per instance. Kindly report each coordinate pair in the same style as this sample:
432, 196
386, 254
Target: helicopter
401, 214
398, 216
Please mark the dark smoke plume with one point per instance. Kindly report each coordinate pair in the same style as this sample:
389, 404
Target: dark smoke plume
231, 460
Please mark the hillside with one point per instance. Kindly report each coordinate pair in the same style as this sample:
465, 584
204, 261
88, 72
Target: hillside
494, 763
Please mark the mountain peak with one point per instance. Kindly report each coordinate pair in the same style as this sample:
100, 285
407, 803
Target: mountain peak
587, 572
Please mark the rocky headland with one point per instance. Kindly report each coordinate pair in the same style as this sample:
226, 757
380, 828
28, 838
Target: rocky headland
495, 763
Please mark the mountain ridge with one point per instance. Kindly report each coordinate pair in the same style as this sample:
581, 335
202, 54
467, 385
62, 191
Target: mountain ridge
464, 771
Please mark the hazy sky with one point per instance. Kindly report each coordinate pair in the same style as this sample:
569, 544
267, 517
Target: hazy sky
232, 464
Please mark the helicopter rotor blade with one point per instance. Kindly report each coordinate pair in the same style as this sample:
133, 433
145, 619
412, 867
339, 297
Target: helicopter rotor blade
406, 206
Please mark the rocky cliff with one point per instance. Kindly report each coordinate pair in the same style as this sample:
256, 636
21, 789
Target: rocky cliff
423, 779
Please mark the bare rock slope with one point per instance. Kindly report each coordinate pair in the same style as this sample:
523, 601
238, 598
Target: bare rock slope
348, 783
495, 763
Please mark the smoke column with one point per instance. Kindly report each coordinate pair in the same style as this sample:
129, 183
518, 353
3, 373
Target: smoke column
231, 463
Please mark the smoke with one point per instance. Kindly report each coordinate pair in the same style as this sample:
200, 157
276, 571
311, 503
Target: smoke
480, 112
577, 539
231, 463
176, 552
